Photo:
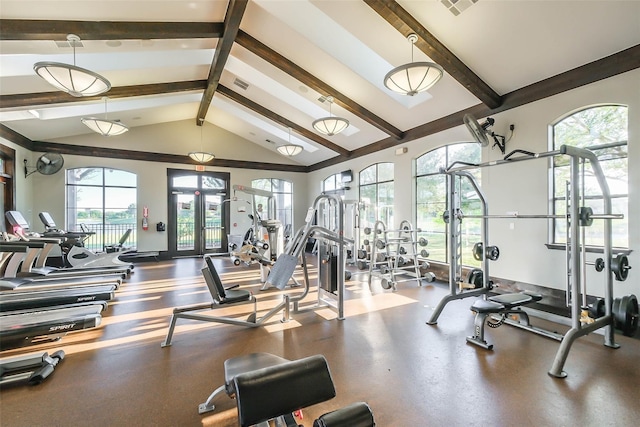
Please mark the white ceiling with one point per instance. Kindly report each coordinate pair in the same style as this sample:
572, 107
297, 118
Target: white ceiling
345, 44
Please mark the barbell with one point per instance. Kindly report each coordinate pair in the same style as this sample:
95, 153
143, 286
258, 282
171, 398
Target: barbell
586, 216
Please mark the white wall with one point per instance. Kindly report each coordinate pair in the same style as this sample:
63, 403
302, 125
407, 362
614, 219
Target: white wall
522, 187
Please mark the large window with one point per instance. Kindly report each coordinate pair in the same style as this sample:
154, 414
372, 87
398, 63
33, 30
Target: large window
104, 202
376, 195
602, 129
431, 200
283, 192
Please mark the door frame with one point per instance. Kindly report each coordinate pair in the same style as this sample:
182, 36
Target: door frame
201, 192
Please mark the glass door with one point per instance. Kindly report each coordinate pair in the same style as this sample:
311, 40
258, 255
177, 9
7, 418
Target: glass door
198, 219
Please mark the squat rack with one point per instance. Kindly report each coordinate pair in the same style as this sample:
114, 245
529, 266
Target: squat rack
575, 217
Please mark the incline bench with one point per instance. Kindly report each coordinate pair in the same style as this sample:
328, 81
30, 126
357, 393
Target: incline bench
503, 305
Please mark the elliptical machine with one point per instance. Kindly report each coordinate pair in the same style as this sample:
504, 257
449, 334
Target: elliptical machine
77, 255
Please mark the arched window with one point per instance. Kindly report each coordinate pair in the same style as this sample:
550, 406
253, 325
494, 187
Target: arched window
376, 194
332, 183
602, 129
104, 201
431, 199
283, 193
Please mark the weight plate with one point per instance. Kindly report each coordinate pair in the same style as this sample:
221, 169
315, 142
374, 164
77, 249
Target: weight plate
493, 253
477, 251
386, 284
585, 216
597, 308
423, 242
367, 230
475, 278
625, 315
620, 267
362, 265
380, 244
599, 264
429, 277
424, 253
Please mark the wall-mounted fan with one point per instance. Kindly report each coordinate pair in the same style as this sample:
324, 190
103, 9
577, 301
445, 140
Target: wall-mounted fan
47, 164
482, 131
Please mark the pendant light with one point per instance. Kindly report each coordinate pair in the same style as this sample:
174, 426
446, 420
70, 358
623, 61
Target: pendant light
74, 80
289, 149
414, 77
331, 125
201, 156
104, 126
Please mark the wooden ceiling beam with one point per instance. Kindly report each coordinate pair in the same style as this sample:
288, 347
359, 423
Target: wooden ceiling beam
406, 24
57, 97
232, 19
280, 120
28, 29
266, 53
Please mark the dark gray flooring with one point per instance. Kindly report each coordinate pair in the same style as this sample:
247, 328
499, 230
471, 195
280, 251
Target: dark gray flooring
410, 373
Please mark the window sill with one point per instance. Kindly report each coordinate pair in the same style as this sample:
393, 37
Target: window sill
590, 249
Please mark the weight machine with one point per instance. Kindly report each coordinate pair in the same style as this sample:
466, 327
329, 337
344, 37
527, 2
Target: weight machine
607, 313
325, 223
264, 241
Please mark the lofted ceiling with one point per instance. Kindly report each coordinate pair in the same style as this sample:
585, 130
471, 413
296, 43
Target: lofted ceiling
261, 67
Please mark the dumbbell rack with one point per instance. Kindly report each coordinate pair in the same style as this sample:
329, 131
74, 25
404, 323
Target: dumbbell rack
396, 247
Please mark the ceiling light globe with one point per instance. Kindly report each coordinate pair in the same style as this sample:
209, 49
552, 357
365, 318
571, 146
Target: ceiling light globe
201, 156
330, 125
413, 78
105, 127
76, 81
289, 150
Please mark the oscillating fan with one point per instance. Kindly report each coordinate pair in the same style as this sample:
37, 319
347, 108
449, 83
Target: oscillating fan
481, 131
47, 164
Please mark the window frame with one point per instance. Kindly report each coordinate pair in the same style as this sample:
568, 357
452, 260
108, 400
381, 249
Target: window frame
279, 210
102, 238
557, 195
448, 157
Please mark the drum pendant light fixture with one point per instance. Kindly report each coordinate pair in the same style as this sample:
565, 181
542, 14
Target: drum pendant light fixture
201, 156
415, 77
331, 125
104, 126
74, 80
289, 149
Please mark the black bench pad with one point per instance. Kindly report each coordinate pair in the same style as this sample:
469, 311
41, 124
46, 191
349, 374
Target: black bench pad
499, 303
355, 415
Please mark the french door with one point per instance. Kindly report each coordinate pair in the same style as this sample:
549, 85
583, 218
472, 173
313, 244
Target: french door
198, 216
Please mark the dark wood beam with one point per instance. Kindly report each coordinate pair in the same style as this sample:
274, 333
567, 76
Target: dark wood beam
13, 136
57, 97
618, 63
406, 24
261, 50
78, 150
235, 12
28, 29
279, 119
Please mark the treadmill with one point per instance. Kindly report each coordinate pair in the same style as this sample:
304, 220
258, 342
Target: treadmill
23, 327
14, 253
27, 298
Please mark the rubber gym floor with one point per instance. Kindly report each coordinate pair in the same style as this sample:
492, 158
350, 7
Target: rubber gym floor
384, 353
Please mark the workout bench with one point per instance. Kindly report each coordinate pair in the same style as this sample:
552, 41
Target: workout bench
267, 387
504, 305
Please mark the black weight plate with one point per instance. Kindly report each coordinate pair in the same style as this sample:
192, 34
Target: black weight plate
477, 251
